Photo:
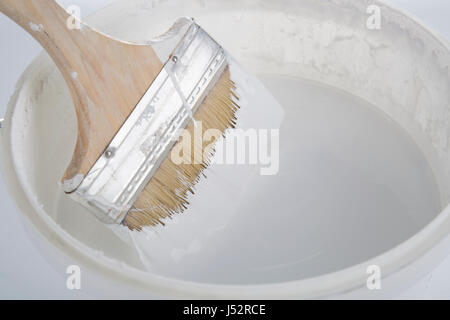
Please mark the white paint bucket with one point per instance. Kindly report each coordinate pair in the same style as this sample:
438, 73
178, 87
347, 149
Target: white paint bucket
401, 69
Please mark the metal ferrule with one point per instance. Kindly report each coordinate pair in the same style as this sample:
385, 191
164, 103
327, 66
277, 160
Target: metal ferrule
146, 138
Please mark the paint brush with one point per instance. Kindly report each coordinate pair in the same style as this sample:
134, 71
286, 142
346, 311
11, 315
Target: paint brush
132, 101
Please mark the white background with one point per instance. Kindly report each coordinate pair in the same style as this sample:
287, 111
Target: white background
25, 274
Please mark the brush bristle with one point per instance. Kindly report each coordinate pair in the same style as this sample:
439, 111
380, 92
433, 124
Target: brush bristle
167, 192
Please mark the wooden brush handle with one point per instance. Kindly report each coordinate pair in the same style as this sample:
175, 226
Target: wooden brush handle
106, 77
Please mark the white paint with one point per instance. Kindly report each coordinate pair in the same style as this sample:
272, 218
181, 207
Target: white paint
375, 66
344, 165
74, 75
